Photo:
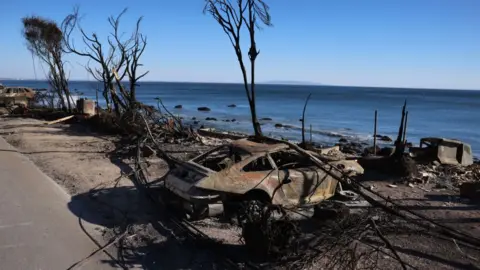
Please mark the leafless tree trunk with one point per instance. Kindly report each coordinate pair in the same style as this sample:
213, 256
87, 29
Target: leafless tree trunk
399, 142
120, 59
232, 17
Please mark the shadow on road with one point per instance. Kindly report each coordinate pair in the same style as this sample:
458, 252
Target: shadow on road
152, 241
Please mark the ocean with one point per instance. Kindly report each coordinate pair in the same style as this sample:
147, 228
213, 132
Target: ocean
332, 112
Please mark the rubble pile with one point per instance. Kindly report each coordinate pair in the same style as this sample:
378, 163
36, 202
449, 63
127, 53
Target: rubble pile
452, 176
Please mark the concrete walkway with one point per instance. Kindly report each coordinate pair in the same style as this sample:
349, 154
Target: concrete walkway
37, 231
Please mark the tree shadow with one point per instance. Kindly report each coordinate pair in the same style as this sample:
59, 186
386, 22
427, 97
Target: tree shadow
111, 206
170, 253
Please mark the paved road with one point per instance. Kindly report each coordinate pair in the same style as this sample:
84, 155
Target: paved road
37, 231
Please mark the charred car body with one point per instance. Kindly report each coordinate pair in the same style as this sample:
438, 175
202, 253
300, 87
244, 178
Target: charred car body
16, 96
245, 171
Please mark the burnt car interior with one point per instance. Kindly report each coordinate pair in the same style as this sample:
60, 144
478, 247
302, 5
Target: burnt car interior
220, 159
290, 159
224, 157
15, 91
259, 164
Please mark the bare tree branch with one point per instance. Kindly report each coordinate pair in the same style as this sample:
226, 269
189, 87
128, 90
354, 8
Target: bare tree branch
117, 60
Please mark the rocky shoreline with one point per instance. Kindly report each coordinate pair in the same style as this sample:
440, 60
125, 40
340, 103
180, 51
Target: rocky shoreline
224, 124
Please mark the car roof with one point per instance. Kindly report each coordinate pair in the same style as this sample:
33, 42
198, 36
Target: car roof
255, 148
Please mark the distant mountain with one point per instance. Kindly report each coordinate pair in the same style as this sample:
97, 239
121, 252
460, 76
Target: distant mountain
291, 82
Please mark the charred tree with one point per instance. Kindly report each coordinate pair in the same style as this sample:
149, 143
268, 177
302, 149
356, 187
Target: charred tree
45, 40
401, 163
116, 61
233, 18
399, 143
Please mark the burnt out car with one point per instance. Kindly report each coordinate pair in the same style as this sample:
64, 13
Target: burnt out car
244, 170
11, 96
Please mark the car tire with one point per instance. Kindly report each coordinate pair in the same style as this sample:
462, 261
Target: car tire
250, 218
250, 210
9, 103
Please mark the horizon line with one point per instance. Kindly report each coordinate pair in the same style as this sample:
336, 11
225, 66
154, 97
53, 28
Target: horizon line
283, 82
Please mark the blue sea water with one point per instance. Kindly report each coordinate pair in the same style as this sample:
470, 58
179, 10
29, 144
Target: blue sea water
332, 111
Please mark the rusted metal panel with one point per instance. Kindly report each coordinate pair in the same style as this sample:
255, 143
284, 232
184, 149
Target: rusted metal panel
10, 96
254, 147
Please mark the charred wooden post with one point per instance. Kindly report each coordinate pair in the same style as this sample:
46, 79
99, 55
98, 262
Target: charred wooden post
400, 163
303, 120
399, 145
405, 129
375, 135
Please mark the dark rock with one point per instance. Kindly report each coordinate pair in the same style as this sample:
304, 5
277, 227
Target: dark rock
266, 119
370, 150
233, 120
356, 144
194, 118
278, 125
232, 106
196, 122
350, 147
288, 126
301, 120
228, 120
384, 138
204, 109
211, 119
350, 150
147, 151
386, 151
178, 107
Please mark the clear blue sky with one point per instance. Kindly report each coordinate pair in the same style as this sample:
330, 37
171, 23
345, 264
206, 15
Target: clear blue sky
401, 43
